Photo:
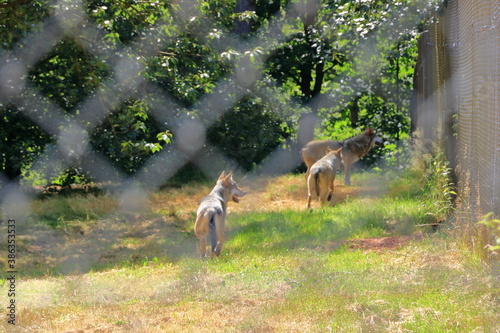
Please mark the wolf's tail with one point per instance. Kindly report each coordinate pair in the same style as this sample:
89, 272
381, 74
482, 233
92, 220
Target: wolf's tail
316, 182
213, 231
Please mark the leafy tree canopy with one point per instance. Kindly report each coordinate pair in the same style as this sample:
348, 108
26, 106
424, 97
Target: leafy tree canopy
125, 72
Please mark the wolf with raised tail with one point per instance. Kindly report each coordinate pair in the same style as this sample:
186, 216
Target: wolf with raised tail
322, 176
211, 215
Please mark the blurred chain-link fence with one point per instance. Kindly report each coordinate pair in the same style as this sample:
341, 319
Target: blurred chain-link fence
457, 81
458, 98
68, 20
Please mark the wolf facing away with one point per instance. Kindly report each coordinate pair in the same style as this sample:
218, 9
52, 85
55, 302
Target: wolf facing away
322, 175
211, 214
353, 149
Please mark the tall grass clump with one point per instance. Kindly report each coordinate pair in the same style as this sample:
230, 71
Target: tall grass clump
57, 210
493, 223
439, 185
445, 205
437, 179
479, 236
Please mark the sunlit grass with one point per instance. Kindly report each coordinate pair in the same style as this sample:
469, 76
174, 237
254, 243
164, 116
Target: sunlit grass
425, 287
283, 268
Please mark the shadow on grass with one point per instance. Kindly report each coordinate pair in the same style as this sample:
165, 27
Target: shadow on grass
118, 241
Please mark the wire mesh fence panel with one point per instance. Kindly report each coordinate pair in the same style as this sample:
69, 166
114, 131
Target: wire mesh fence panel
456, 97
463, 72
125, 64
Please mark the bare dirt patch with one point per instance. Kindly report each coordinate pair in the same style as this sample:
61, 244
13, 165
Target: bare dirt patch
381, 243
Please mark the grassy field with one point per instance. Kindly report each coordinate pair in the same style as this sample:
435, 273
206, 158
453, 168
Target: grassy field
368, 263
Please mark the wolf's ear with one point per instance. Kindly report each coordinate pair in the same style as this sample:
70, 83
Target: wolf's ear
369, 131
338, 151
328, 149
222, 175
227, 180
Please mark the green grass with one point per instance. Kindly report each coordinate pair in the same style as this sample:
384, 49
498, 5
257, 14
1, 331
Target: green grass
349, 291
279, 271
395, 213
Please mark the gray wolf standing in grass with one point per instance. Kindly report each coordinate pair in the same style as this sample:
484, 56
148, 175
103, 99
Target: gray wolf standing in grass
211, 213
322, 176
352, 150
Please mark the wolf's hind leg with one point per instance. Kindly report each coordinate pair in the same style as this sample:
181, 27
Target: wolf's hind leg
218, 236
201, 231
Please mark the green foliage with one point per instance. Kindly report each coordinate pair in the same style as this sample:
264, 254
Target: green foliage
17, 151
186, 69
389, 124
248, 132
68, 75
18, 19
21, 140
188, 174
299, 64
126, 21
128, 136
494, 224
347, 52
439, 185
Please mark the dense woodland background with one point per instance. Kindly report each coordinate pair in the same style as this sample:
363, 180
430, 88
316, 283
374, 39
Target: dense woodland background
263, 65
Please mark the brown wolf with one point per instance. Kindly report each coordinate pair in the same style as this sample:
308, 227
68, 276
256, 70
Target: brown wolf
352, 150
211, 213
322, 176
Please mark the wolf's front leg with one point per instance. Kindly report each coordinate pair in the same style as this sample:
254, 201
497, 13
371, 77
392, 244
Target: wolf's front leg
219, 230
347, 173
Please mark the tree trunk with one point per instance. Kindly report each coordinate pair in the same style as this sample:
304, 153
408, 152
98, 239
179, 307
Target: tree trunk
354, 112
318, 81
305, 83
244, 27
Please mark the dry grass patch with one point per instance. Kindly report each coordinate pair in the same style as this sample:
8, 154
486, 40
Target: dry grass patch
60, 209
286, 192
178, 202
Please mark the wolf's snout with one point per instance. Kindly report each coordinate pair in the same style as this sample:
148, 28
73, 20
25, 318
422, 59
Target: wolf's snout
236, 196
378, 142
